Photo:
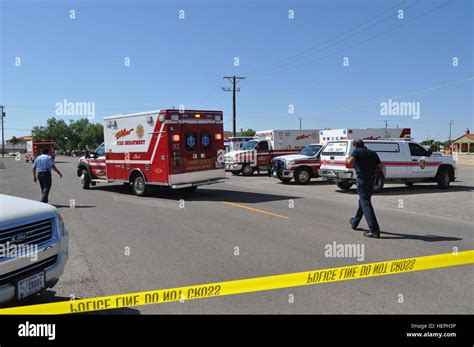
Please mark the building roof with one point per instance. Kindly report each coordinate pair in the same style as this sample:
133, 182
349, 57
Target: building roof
465, 138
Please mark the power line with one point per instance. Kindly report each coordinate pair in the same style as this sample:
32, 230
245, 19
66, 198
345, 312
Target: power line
2, 114
450, 125
354, 45
234, 80
313, 50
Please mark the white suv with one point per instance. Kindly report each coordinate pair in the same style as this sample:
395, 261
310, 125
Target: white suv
33, 247
404, 161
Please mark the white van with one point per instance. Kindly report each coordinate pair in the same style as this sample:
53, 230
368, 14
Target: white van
404, 161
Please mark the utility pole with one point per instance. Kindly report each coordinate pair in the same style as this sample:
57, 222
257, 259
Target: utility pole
234, 80
3, 139
450, 125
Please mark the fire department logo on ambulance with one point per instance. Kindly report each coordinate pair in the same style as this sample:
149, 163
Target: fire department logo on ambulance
140, 131
122, 133
422, 164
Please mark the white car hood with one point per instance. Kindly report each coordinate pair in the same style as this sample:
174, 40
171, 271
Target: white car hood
17, 211
292, 157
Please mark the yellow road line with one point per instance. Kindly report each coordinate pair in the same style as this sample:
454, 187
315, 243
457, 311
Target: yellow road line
256, 210
249, 285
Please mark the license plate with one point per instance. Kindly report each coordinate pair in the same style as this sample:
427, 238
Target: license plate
30, 285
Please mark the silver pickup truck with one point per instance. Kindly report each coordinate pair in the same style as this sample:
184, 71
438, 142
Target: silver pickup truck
33, 247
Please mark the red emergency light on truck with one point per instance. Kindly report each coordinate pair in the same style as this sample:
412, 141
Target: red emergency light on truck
34, 148
175, 148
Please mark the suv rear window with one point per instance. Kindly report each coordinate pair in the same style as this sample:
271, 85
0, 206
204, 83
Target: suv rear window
383, 146
335, 148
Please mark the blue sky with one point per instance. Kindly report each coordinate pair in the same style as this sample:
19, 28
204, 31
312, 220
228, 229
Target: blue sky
286, 61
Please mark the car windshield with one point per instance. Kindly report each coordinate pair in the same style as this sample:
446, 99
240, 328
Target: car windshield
310, 150
335, 148
249, 145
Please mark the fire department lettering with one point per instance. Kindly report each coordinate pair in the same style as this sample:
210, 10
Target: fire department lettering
301, 137
130, 142
123, 133
198, 164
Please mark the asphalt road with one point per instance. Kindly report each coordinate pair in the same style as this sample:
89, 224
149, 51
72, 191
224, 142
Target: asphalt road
172, 245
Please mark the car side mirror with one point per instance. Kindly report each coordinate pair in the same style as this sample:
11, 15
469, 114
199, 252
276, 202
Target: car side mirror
87, 154
430, 152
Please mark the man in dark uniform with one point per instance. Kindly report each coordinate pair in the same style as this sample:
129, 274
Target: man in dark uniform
366, 164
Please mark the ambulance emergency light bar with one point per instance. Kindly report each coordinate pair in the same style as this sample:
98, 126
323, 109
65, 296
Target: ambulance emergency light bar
177, 116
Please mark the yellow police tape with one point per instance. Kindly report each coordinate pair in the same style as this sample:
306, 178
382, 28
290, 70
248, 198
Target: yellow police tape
248, 285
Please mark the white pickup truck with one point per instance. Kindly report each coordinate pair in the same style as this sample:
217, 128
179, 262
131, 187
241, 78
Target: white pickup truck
404, 161
33, 247
257, 154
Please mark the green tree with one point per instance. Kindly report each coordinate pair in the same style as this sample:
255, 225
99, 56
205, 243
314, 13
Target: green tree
76, 135
14, 141
248, 132
433, 144
93, 136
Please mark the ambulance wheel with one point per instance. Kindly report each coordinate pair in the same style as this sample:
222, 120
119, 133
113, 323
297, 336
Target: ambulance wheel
378, 182
344, 185
247, 170
139, 185
443, 178
302, 175
85, 179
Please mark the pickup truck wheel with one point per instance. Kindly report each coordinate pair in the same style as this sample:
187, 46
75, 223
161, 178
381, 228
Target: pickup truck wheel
247, 170
344, 185
85, 179
378, 182
139, 185
302, 175
443, 178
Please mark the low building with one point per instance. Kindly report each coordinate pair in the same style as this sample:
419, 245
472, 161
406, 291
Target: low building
463, 149
22, 140
464, 143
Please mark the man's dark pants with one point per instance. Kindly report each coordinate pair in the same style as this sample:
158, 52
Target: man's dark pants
44, 179
364, 188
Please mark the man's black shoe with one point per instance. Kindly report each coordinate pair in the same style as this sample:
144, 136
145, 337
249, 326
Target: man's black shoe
371, 234
351, 222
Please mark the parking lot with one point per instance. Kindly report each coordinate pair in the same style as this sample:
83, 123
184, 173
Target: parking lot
251, 227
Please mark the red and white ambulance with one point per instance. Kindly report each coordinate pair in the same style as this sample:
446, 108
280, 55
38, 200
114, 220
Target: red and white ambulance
174, 148
258, 153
